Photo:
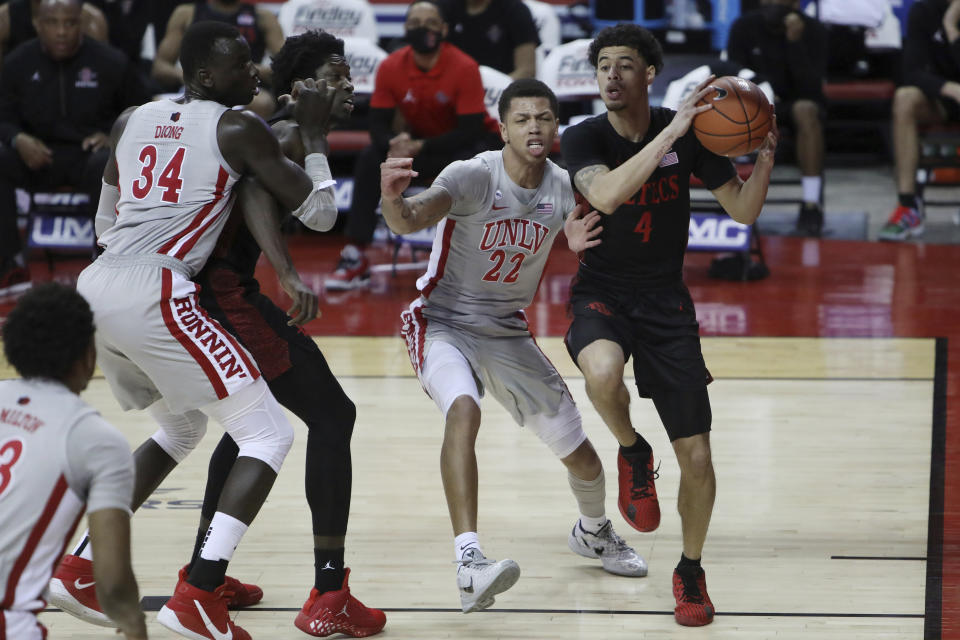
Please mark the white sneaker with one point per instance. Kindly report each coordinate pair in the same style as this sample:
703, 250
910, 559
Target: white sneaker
616, 556
479, 579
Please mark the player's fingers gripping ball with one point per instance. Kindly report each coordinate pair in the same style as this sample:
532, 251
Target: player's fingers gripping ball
740, 118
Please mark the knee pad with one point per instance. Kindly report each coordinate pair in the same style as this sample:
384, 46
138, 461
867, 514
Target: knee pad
256, 422
179, 433
562, 432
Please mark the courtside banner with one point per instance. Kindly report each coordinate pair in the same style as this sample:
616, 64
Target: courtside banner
717, 232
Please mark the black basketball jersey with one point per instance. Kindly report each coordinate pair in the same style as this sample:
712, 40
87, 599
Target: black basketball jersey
644, 240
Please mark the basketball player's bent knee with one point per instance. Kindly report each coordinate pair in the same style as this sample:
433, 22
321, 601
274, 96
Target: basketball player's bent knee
256, 422
179, 433
562, 432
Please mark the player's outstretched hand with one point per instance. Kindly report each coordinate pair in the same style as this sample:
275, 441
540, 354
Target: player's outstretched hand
769, 147
395, 176
582, 229
689, 109
306, 304
313, 102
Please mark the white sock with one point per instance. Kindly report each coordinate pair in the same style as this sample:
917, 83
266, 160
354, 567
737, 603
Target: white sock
592, 525
811, 188
464, 542
222, 538
87, 551
351, 252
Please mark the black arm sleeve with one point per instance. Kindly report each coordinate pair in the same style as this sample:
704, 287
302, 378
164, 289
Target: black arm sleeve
469, 129
921, 27
381, 123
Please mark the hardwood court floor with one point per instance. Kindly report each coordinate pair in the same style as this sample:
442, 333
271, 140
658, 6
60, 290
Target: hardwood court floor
836, 418
805, 455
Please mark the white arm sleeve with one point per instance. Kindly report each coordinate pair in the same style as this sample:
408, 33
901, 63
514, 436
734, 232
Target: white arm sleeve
107, 209
319, 210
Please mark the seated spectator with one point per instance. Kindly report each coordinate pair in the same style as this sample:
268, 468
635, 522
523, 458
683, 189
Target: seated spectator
427, 104
788, 48
257, 25
54, 132
931, 95
128, 21
496, 33
16, 23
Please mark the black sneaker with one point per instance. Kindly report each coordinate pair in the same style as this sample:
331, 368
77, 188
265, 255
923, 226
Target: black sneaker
810, 220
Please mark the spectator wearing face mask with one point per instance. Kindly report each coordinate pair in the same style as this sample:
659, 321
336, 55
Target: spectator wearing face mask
427, 104
789, 49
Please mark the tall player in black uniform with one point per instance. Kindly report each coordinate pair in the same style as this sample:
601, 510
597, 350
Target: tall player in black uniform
291, 363
633, 163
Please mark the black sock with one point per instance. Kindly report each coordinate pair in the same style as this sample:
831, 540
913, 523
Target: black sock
208, 574
686, 565
328, 569
640, 446
201, 536
908, 200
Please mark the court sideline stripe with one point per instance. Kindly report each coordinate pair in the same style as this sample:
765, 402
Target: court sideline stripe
153, 603
913, 558
933, 622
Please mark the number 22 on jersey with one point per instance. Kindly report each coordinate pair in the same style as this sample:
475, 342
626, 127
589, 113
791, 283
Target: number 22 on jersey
169, 181
498, 257
10, 452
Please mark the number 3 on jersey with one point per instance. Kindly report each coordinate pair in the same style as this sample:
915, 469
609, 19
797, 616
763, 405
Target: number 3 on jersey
169, 180
9, 454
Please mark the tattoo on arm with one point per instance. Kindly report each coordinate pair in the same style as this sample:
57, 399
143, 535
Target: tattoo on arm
427, 207
585, 177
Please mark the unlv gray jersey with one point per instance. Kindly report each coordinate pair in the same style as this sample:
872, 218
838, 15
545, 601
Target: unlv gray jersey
57, 455
490, 250
176, 190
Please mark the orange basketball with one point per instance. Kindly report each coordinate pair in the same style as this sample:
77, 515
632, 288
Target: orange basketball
739, 120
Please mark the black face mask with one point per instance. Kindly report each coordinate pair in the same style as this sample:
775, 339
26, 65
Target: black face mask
773, 15
423, 39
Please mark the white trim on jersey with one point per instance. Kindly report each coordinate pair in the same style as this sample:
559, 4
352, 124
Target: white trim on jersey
413, 328
438, 257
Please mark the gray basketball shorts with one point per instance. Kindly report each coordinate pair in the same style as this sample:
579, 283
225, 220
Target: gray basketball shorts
451, 363
153, 338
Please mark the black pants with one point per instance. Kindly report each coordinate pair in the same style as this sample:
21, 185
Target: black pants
71, 166
300, 380
366, 186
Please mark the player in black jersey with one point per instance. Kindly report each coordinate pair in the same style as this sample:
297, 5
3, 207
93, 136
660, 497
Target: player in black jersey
290, 361
628, 299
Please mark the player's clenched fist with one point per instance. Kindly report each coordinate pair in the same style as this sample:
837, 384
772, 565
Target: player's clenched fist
312, 101
395, 176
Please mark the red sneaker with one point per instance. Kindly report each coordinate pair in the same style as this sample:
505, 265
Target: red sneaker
71, 589
352, 272
638, 496
694, 608
243, 595
201, 615
332, 612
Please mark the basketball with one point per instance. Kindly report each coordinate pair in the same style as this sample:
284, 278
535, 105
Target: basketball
739, 120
